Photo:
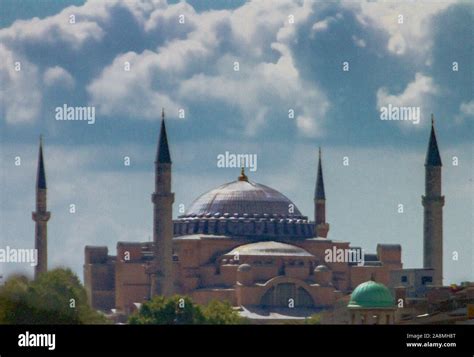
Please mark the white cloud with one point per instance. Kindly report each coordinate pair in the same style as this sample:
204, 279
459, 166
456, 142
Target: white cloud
321, 25
308, 126
23, 89
160, 15
19, 89
58, 76
58, 29
199, 66
467, 108
194, 60
413, 35
132, 93
417, 93
359, 42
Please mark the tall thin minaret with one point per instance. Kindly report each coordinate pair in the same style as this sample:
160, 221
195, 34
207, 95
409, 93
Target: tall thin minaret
41, 216
162, 277
322, 228
433, 203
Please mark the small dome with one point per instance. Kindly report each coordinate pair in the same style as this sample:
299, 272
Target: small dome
321, 268
244, 267
269, 248
371, 295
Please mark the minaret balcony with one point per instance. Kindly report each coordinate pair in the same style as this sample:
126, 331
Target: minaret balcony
41, 216
162, 196
432, 200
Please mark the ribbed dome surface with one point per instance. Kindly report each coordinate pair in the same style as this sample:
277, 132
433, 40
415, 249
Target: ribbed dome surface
243, 197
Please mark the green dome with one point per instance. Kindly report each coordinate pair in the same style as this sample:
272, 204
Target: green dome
371, 295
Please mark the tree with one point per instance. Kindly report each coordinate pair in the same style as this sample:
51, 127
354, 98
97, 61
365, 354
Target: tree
182, 310
13, 301
173, 311
56, 297
222, 313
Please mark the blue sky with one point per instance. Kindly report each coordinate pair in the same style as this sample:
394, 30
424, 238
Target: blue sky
283, 65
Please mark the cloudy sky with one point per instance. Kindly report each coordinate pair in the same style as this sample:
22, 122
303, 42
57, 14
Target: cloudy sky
182, 56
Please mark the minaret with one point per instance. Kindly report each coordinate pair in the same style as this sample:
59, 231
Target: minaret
433, 203
162, 198
41, 216
322, 228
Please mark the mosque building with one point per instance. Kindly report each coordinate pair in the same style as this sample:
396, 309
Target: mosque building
246, 243
249, 244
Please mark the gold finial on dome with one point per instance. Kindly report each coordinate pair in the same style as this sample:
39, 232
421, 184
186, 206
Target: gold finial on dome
243, 176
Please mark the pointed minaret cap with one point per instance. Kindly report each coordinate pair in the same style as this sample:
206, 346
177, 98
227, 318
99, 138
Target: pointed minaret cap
163, 152
319, 193
40, 174
432, 155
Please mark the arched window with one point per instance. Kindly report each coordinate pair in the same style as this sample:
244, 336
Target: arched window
267, 298
303, 298
285, 292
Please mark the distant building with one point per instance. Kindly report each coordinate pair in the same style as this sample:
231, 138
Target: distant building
416, 282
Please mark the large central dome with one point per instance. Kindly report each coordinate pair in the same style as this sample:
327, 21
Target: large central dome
241, 198
244, 208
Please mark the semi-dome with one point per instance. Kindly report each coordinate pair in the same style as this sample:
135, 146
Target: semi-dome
321, 267
269, 248
244, 268
243, 198
371, 295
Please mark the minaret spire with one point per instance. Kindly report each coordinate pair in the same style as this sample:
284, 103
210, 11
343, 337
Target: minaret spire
41, 215
319, 193
321, 228
432, 155
163, 151
161, 271
433, 203
40, 174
